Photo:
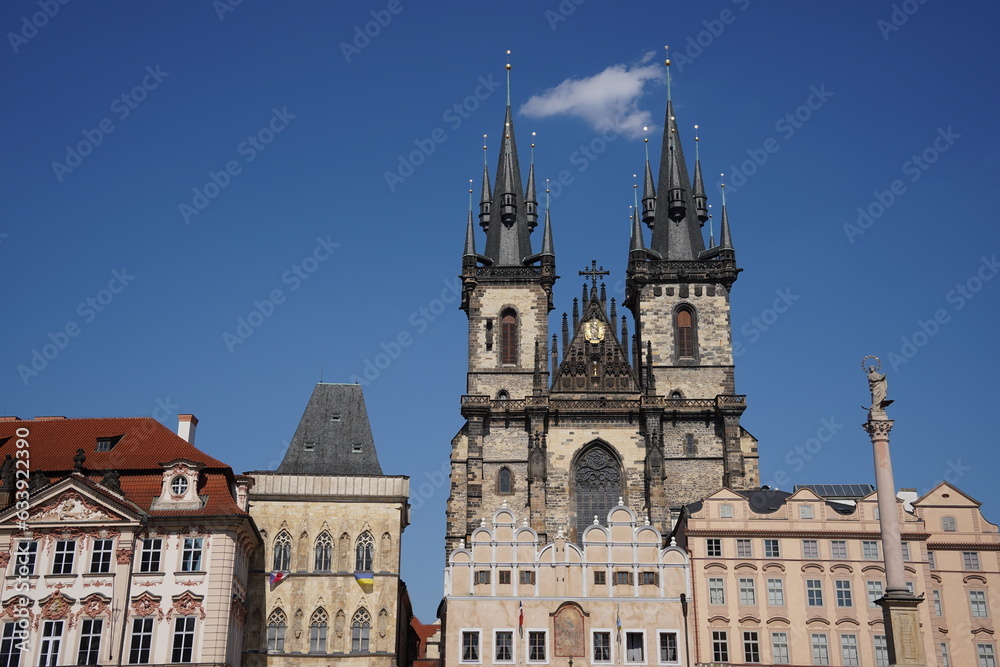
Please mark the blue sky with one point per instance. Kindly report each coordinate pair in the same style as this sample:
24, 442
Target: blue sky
230, 160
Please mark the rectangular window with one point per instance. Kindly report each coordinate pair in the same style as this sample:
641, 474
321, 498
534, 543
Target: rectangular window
100, 561
906, 550
602, 647
748, 591
142, 638
470, 646
838, 550
779, 648
90, 641
776, 592
720, 646
725, 511
751, 647
930, 560
24, 564
945, 655
481, 577
986, 656
10, 645
668, 647
504, 576
977, 600
849, 650
845, 597
51, 642
623, 577
820, 649
150, 559
716, 591
869, 550
503, 646
881, 651
970, 560
634, 647
744, 548
183, 639
191, 555
771, 549
600, 577
874, 589
526, 577
63, 561
814, 592
536, 646
938, 608
648, 579
948, 524
810, 548
713, 547
805, 511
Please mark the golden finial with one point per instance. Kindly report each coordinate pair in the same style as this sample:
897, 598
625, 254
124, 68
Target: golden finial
508, 77
667, 50
645, 139
723, 176
508, 58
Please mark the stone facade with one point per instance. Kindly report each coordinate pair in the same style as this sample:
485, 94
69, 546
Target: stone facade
617, 599
317, 611
783, 578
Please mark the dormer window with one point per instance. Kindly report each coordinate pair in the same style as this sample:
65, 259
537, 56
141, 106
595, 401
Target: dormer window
335, 417
179, 485
104, 444
309, 447
356, 448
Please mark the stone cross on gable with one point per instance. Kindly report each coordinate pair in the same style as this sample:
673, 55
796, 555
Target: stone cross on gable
594, 272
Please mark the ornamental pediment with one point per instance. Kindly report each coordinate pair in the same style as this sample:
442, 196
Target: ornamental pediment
71, 507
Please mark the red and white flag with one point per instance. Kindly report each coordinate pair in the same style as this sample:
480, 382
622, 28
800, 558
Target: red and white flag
276, 577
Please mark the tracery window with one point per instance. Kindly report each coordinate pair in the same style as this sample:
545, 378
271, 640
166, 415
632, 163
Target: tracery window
364, 552
361, 626
324, 552
598, 486
277, 622
282, 552
317, 631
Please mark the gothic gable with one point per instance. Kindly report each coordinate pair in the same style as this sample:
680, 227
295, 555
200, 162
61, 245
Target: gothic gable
595, 360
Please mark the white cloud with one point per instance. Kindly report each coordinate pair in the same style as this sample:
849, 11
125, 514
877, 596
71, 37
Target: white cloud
607, 99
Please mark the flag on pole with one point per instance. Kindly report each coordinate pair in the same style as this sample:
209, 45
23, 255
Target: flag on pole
366, 580
618, 623
520, 619
277, 577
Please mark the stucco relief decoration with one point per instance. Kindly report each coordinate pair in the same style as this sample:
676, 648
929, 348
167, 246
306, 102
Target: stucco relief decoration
191, 582
124, 556
94, 605
180, 469
70, 506
187, 604
97, 584
56, 607
147, 605
11, 605
568, 626
4, 558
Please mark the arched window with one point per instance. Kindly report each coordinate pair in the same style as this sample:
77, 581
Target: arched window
364, 552
505, 481
277, 622
690, 448
282, 552
317, 631
598, 480
948, 524
676, 396
508, 337
685, 333
502, 395
361, 627
324, 552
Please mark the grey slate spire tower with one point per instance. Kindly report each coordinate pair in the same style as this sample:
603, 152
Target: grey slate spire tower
560, 433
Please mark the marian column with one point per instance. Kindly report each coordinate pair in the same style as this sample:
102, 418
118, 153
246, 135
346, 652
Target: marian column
899, 605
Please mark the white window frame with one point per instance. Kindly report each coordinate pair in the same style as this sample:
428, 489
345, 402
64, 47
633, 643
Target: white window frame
880, 644
146, 555
810, 549
50, 637
821, 645
835, 546
102, 555
938, 603
680, 646
721, 588
990, 654
870, 592
818, 590
645, 655
743, 646
25, 548
713, 547
780, 589
527, 646
806, 511
513, 646
178, 635
141, 620
945, 654
869, 550
982, 603
90, 638
971, 560
747, 592
844, 593
611, 646
772, 553
724, 642
70, 555
844, 644
461, 646
744, 547
785, 643
186, 565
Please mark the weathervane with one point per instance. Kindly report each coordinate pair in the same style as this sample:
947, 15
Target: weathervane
594, 272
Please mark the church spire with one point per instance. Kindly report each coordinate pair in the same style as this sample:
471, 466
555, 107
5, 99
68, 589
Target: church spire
700, 200
470, 237
676, 228
726, 239
648, 191
530, 200
548, 249
508, 243
486, 198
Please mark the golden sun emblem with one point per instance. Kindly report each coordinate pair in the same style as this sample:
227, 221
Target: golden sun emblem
593, 331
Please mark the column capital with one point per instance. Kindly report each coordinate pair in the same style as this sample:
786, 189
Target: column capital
878, 428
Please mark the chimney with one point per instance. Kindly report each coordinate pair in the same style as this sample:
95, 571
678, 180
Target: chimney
186, 425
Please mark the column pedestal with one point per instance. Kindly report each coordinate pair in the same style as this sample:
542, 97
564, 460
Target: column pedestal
902, 628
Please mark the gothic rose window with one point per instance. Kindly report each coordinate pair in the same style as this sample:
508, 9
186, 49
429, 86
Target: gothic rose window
598, 486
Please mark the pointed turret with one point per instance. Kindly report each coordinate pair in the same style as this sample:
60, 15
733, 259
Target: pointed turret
530, 200
676, 228
648, 191
636, 245
548, 249
486, 198
700, 200
508, 243
725, 236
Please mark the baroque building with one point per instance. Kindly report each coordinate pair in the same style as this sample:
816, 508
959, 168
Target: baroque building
120, 543
326, 587
653, 418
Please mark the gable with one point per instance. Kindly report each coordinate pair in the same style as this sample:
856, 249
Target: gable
72, 500
595, 360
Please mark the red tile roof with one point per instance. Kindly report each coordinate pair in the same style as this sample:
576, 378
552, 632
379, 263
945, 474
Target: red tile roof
142, 445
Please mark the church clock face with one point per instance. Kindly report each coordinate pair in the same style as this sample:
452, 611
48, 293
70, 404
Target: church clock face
593, 331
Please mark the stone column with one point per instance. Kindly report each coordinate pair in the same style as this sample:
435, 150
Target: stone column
899, 606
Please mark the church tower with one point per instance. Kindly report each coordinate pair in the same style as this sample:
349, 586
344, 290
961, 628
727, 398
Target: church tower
651, 420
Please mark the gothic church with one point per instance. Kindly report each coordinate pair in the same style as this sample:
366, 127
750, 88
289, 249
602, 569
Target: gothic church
562, 425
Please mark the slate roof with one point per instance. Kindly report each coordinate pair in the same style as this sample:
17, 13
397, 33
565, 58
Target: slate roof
334, 436
141, 444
